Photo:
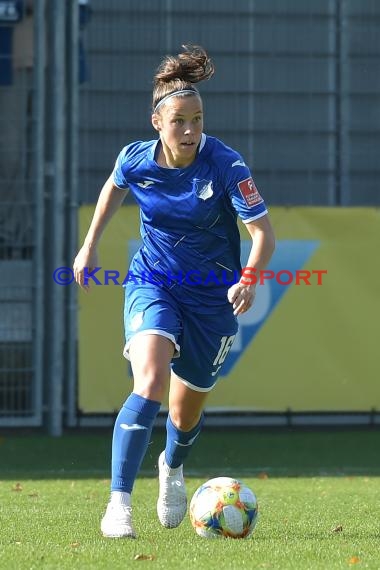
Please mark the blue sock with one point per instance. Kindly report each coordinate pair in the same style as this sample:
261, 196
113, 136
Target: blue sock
131, 435
179, 443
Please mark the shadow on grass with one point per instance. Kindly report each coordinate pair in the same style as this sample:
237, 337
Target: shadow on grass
244, 452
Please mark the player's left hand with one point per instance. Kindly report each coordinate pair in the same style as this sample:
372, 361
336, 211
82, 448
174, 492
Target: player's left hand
242, 297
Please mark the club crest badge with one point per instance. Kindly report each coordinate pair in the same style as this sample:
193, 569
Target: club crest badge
203, 188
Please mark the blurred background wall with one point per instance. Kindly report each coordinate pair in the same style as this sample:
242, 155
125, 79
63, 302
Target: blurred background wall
296, 89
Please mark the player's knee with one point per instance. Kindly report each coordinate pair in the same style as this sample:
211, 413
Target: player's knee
151, 384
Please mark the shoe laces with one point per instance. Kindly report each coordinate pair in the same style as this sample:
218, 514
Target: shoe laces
121, 510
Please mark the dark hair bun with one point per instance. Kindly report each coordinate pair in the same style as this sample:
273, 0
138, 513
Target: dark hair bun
190, 66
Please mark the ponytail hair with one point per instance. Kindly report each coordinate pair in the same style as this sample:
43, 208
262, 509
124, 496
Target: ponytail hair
180, 73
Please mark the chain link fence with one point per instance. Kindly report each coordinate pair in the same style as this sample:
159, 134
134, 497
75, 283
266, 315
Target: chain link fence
20, 387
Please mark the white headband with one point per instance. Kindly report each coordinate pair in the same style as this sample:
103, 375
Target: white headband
180, 92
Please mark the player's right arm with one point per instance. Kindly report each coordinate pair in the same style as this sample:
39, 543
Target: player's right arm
109, 201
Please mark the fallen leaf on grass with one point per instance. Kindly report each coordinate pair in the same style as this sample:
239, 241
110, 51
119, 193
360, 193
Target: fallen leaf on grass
263, 475
144, 557
17, 487
338, 528
75, 544
354, 560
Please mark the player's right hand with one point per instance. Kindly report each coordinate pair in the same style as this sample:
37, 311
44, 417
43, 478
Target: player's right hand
86, 259
241, 297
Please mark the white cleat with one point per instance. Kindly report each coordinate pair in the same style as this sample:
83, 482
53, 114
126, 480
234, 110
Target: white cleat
172, 501
117, 522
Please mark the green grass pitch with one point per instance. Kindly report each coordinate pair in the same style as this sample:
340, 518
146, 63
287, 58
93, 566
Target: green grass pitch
318, 493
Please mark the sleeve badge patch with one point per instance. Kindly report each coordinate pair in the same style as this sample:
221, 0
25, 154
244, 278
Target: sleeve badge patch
249, 192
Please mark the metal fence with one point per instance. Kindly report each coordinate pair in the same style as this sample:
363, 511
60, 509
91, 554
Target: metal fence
20, 237
38, 92
296, 91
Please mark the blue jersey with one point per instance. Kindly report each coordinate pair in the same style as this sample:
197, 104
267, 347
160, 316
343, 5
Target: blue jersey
190, 236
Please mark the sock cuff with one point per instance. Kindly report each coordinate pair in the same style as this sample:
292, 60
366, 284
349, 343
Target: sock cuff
120, 498
185, 436
141, 405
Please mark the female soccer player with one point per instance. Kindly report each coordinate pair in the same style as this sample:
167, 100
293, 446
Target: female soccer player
180, 324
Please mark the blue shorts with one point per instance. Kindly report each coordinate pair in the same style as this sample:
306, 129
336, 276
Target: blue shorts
202, 342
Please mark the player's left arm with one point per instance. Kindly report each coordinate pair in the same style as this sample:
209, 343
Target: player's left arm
242, 294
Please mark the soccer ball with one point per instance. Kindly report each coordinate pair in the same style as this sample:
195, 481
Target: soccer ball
223, 507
